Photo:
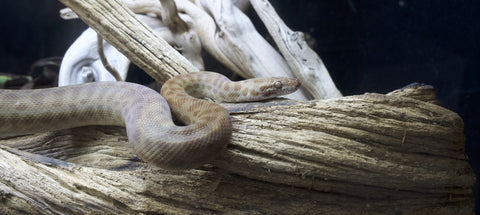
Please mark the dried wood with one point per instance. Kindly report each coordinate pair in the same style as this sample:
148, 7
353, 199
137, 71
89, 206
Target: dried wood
118, 26
304, 62
366, 154
224, 31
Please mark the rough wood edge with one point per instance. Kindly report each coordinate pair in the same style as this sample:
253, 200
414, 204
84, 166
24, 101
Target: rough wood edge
367, 154
304, 62
119, 27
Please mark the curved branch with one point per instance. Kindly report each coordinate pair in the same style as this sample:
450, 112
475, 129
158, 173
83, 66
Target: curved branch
81, 63
104, 60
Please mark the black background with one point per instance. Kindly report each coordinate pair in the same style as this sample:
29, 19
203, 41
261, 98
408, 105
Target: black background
367, 45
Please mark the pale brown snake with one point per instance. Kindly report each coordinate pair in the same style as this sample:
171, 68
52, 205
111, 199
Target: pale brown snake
145, 113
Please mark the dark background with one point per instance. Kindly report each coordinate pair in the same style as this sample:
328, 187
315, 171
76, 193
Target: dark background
367, 45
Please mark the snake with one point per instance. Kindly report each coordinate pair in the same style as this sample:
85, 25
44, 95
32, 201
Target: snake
181, 128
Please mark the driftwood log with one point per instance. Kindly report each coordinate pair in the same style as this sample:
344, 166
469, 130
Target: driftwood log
368, 154
217, 27
365, 154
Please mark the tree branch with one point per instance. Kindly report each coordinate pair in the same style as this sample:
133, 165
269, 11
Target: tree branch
304, 62
119, 27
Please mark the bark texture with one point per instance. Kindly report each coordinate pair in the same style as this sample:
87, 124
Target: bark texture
365, 154
117, 24
304, 62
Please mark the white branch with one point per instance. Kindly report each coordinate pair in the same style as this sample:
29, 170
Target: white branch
303, 61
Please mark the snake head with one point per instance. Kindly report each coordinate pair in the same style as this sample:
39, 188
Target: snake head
277, 86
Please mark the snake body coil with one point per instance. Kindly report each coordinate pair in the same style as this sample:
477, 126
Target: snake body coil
145, 113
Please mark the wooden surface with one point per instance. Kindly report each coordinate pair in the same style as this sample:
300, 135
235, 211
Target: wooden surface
116, 24
303, 61
367, 154
370, 154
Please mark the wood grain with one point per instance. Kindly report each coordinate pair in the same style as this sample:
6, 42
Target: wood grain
119, 27
302, 60
365, 154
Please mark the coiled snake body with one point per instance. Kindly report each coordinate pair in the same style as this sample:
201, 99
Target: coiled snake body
145, 113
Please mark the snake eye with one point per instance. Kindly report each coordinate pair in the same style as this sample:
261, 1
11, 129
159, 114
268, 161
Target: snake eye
277, 84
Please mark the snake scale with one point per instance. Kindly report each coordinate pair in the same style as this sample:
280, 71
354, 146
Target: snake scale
146, 115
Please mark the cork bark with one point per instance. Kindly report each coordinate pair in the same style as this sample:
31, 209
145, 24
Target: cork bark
365, 154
